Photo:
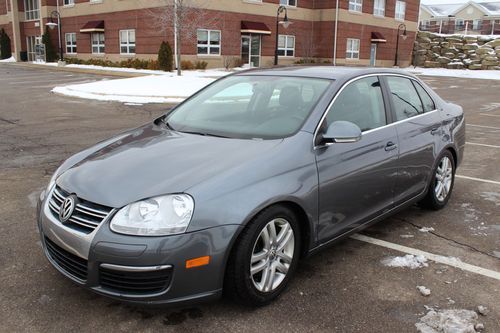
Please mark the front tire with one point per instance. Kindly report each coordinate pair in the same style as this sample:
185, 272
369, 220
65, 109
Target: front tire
264, 258
442, 181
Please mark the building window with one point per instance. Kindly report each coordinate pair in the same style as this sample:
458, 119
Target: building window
459, 24
355, 5
208, 42
127, 41
400, 10
286, 46
98, 42
32, 9
291, 3
424, 24
69, 2
379, 7
71, 43
352, 48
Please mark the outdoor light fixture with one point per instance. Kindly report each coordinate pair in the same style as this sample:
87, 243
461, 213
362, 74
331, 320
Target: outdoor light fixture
402, 26
285, 23
52, 25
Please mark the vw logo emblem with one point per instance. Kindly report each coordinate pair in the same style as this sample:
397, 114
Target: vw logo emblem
67, 208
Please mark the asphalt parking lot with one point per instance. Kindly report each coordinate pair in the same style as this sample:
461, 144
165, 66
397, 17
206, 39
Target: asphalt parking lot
344, 288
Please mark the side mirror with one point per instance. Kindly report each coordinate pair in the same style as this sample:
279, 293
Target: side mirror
342, 132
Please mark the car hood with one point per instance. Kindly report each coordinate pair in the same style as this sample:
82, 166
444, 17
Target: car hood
152, 161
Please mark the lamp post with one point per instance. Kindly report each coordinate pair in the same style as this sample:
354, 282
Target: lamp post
286, 23
404, 35
52, 25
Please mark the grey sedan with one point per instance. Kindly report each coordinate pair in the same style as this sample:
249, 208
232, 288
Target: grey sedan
229, 190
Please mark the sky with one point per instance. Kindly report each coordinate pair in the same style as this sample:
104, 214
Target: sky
439, 2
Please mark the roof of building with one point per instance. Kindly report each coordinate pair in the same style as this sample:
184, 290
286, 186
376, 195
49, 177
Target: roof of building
445, 10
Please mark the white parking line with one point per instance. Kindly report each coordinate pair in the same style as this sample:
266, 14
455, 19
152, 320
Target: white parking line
482, 144
491, 127
478, 179
490, 115
434, 257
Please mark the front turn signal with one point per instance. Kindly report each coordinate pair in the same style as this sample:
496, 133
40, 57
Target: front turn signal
197, 262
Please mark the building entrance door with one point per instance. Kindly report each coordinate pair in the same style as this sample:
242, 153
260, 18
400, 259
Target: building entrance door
373, 54
31, 45
250, 50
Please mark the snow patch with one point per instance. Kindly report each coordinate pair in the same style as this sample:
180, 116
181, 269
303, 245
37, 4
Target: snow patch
409, 260
491, 196
11, 59
448, 321
463, 73
424, 290
426, 229
139, 90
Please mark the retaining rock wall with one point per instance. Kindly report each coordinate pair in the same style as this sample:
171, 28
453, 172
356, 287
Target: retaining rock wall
456, 51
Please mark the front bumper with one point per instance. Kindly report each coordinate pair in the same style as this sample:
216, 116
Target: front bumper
149, 270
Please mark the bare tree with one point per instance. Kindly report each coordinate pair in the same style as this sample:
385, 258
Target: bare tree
184, 17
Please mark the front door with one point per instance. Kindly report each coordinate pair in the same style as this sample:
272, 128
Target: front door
373, 54
31, 43
356, 180
250, 50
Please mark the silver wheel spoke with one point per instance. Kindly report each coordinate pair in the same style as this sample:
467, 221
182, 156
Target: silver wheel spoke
282, 268
282, 233
258, 267
284, 257
272, 232
266, 239
259, 256
284, 241
268, 285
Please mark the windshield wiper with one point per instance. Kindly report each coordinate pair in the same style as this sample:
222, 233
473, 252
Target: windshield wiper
204, 134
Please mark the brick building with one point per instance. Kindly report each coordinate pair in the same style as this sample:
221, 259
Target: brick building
363, 32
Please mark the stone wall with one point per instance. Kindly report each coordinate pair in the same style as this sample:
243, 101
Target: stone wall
456, 51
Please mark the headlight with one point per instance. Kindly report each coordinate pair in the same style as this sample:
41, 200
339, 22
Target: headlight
159, 216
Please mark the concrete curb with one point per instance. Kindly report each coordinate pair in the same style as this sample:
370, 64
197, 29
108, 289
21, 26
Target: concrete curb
78, 70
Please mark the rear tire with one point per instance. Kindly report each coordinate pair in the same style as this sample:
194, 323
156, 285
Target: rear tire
441, 184
265, 257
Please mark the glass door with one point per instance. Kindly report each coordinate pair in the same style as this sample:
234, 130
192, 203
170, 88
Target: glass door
373, 54
250, 50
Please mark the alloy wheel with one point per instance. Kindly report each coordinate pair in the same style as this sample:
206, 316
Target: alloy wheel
272, 255
444, 178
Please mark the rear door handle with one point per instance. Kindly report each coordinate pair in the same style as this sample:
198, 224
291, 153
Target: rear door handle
390, 146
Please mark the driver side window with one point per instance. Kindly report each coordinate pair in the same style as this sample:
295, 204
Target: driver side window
361, 103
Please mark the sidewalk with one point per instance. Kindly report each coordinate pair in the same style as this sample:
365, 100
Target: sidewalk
120, 72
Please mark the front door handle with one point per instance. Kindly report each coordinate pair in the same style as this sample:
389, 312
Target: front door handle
435, 131
390, 146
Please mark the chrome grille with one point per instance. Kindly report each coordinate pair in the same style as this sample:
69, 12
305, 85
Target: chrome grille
87, 215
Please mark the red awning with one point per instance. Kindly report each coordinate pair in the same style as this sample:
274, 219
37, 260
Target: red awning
93, 26
249, 27
377, 37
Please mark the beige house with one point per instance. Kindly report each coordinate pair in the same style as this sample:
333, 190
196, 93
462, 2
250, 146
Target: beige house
482, 18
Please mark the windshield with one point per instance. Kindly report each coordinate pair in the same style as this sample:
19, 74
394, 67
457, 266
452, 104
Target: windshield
265, 107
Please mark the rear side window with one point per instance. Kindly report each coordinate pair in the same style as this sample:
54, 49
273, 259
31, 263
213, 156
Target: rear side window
405, 99
361, 103
424, 96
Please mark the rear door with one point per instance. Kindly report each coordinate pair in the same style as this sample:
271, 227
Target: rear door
418, 126
356, 180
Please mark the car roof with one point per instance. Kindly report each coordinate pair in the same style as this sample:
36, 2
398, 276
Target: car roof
322, 72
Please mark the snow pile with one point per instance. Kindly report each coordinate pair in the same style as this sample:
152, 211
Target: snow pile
448, 321
424, 290
464, 73
426, 229
11, 59
144, 89
409, 260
